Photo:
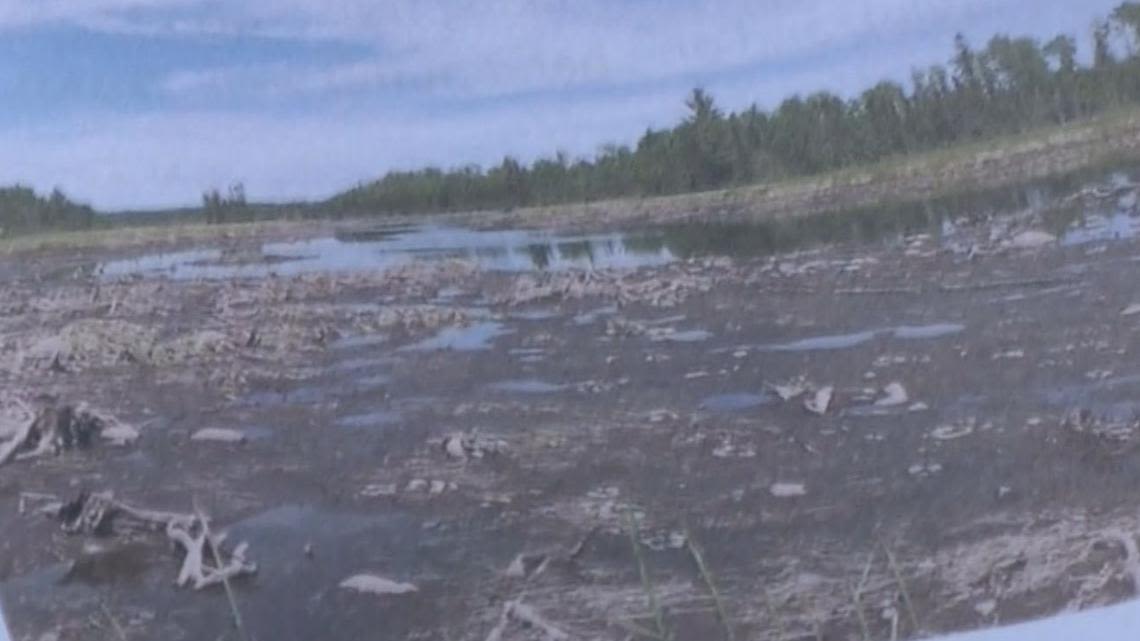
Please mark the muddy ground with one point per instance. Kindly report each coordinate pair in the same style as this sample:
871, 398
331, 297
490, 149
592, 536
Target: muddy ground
431, 423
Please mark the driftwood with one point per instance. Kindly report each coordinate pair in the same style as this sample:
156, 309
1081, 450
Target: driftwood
54, 429
96, 512
516, 610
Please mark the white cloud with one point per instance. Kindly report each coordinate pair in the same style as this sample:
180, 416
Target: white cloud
579, 73
165, 160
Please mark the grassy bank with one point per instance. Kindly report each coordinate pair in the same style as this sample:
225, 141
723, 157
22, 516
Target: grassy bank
1053, 151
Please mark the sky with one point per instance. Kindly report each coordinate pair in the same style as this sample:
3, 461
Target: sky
128, 104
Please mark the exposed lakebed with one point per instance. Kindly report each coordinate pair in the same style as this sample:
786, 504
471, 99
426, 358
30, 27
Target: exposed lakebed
453, 410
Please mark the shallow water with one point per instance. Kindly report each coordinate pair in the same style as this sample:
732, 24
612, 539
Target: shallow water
513, 250
734, 402
854, 339
527, 386
478, 336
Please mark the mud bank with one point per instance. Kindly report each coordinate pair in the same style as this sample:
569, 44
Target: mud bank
928, 432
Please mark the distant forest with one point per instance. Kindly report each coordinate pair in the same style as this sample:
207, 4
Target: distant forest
1009, 86
23, 211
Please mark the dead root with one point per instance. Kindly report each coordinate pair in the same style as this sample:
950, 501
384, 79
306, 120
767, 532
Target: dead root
518, 612
55, 429
96, 513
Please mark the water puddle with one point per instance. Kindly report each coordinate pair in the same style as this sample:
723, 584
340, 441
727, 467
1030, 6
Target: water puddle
838, 341
592, 316
734, 402
535, 315
527, 386
685, 336
1095, 229
378, 418
363, 340
378, 250
478, 336
363, 363
923, 332
846, 341
527, 250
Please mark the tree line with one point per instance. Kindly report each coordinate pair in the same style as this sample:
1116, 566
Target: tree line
24, 211
1006, 87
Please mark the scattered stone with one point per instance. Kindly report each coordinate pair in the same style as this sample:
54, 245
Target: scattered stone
894, 394
820, 401
218, 435
791, 389
379, 489
525, 565
372, 584
985, 608
787, 490
953, 431
924, 469
1032, 239
918, 407
1011, 354
463, 446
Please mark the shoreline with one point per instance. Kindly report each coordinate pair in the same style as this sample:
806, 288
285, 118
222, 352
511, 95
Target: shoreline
971, 168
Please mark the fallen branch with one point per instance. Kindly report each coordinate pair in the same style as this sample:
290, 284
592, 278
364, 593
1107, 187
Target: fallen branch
23, 433
95, 512
195, 571
237, 560
518, 611
53, 430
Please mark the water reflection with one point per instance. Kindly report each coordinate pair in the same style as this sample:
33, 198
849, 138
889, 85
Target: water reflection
521, 250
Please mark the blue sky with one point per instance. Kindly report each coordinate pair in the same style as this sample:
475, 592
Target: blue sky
141, 103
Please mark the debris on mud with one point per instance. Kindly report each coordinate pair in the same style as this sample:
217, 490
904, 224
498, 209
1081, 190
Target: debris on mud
820, 401
218, 435
893, 394
787, 490
463, 446
96, 513
1108, 434
378, 585
954, 431
791, 389
1032, 239
524, 616
51, 430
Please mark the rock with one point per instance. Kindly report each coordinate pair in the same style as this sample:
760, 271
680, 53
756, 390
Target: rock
1032, 239
918, 407
820, 401
372, 584
787, 490
416, 485
218, 435
790, 390
379, 489
463, 446
985, 608
1131, 310
953, 431
894, 394
453, 445
120, 434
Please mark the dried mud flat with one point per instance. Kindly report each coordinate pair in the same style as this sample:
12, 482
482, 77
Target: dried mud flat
857, 441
